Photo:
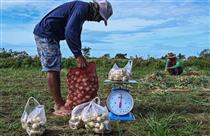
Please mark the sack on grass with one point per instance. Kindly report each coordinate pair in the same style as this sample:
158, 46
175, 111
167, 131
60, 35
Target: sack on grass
95, 117
82, 85
33, 118
120, 74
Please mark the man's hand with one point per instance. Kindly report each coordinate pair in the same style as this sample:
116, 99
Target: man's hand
81, 62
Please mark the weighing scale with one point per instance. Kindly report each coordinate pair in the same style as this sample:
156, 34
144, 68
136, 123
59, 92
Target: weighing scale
120, 102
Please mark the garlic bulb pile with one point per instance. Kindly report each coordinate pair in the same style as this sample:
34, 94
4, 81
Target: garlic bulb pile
118, 75
35, 127
76, 122
97, 123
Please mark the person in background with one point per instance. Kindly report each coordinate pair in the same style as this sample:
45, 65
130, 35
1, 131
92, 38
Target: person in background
173, 64
65, 23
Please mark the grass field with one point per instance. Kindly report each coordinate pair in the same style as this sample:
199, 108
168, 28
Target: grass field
174, 109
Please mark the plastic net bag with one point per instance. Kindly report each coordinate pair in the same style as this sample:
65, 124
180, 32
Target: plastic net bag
120, 74
95, 117
33, 118
82, 85
76, 119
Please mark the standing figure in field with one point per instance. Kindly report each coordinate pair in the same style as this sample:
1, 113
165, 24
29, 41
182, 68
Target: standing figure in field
65, 23
173, 64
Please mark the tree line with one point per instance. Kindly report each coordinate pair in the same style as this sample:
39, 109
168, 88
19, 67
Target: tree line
15, 59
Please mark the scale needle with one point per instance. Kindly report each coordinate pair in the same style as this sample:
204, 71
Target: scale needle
120, 103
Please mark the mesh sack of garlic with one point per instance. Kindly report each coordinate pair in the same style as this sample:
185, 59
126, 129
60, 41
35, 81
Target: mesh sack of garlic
95, 117
120, 74
33, 118
82, 85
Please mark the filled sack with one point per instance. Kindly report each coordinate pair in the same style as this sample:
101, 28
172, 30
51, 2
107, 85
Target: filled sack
33, 118
95, 117
76, 116
82, 85
120, 74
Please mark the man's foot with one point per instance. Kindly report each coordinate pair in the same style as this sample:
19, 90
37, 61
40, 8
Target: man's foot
61, 111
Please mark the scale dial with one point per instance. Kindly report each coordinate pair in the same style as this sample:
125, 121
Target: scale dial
120, 102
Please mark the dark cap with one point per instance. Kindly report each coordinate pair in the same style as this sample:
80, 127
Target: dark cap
171, 55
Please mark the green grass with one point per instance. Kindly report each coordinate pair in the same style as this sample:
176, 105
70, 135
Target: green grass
158, 113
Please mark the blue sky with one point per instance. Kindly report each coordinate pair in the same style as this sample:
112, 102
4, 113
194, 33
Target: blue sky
137, 27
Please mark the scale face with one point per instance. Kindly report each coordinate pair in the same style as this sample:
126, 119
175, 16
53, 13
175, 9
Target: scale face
119, 101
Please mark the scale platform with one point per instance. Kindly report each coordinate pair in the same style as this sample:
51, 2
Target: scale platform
127, 117
120, 82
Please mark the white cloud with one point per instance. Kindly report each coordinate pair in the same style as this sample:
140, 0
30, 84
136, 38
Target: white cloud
136, 24
126, 24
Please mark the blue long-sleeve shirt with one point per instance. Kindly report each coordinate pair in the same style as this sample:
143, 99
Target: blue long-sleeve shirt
65, 22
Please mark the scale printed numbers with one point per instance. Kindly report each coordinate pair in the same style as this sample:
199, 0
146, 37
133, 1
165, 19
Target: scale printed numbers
120, 102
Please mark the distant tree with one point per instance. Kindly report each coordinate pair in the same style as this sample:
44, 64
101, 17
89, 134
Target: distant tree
191, 57
21, 54
205, 53
131, 57
86, 52
151, 58
120, 56
4, 53
163, 57
181, 56
136, 57
107, 56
